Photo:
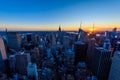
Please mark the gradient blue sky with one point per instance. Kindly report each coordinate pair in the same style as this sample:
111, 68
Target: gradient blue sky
54, 12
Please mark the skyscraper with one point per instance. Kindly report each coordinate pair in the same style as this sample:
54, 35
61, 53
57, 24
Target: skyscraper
22, 60
53, 39
14, 40
2, 49
66, 41
12, 63
107, 44
81, 35
59, 35
115, 67
101, 63
29, 37
59, 28
90, 52
32, 71
3, 56
80, 51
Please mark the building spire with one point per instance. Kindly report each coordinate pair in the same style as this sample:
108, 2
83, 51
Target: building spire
59, 28
81, 25
80, 28
6, 30
93, 28
80, 31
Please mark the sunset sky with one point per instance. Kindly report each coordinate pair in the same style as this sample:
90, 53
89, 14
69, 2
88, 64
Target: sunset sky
49, 14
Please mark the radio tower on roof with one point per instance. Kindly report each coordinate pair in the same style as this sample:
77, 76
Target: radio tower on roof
93, 28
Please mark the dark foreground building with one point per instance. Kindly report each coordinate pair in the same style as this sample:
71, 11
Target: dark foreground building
101, 63
80, 51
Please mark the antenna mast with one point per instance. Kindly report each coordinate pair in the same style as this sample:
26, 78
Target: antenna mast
93, 28
81, 25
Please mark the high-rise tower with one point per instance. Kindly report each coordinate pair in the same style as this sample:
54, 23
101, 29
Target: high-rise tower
101, 63
14, 40
2, 49
60, 35
115, 67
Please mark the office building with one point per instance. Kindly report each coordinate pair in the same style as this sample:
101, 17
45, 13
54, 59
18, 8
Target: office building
22, 60
81, 35
59, 35
80, 51
115, 67
70, 57
2, 49
29, 37
107, 44
3, 55
12, 62
66, 41
14, 40
32, 71
53, 39
101, 63
90, 52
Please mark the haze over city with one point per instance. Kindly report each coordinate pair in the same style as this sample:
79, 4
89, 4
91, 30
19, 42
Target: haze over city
49, 14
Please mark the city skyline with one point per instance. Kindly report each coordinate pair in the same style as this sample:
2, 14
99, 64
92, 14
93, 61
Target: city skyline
48, 15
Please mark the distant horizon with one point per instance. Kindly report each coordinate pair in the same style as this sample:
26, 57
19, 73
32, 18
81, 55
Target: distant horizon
105, 29
63, 28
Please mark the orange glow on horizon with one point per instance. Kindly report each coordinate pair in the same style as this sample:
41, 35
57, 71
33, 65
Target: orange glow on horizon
87, 28
91, 29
